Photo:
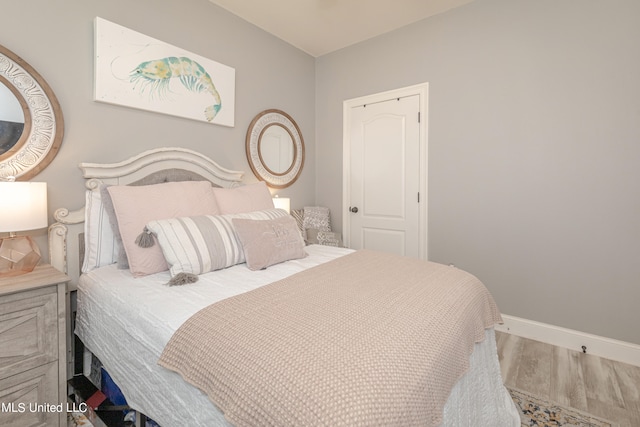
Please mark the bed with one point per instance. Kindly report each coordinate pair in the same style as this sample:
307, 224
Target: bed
139, 326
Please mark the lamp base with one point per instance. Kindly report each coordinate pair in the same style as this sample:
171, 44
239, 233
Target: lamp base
18, 255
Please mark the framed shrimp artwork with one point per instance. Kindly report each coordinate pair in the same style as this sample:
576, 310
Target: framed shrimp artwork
134, 70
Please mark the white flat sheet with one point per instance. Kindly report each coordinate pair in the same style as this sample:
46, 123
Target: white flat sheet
126, 323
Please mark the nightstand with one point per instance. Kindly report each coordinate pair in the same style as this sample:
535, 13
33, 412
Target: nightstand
33, 349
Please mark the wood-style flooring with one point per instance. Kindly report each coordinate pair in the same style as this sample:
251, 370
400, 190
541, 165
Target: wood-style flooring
601, 387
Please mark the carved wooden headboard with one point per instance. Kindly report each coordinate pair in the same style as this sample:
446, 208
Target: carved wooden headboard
157, 165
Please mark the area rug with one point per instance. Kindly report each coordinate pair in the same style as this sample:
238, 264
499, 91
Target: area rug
537, 412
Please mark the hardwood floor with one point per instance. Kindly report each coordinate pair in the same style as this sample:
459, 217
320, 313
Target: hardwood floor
601, 387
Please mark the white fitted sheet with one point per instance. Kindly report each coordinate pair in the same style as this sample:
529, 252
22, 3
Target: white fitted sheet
126, 323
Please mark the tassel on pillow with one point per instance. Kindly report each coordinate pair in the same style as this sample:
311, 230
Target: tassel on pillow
145, 239
183, 279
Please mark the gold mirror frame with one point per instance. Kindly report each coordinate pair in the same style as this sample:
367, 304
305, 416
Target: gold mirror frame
255, 132
43, 123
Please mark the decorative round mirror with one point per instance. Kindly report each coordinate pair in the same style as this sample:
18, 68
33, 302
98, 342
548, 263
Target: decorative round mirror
275, 148
31, 123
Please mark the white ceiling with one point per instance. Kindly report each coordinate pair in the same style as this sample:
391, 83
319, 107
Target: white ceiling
322, 26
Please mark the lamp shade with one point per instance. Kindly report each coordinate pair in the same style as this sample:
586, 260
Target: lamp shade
23, 206
282, 203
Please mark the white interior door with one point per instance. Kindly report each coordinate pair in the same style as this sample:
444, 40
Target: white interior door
384, 176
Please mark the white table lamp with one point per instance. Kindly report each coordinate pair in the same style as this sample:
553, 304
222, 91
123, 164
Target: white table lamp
23, 206
282, 203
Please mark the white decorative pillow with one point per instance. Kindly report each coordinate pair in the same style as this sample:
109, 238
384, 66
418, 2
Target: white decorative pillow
100, 244
248, 198
326, 238
317, 218
199, 244
107, 204
135, 206
269, 242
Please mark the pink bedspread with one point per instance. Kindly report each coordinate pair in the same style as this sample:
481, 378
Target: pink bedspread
367, 339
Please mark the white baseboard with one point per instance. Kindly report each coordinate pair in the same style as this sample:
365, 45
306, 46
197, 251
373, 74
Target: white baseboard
575, 340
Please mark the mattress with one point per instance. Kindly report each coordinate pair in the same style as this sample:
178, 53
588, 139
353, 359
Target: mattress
127, 322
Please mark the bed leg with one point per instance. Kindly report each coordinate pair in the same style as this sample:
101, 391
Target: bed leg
141, 419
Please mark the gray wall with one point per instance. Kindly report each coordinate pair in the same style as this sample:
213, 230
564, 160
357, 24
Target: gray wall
56, 39
534, 123
534, 149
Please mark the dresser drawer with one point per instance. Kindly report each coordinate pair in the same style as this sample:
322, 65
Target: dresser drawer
28, 330
31, 398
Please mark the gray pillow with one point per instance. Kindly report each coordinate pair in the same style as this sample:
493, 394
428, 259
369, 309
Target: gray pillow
327, 238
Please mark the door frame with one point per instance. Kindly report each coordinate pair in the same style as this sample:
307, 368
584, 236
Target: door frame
422, 90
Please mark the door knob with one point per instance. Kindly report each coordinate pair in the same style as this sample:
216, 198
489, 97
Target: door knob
353, 209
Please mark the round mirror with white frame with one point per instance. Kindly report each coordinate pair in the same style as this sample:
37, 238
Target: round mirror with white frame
275, 148
31, 123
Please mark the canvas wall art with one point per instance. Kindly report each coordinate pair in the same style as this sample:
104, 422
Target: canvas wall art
138, 71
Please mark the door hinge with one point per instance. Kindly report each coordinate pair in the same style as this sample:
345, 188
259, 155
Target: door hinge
418, 197
419, 117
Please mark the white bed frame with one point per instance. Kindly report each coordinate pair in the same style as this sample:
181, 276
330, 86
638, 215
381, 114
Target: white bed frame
65, 236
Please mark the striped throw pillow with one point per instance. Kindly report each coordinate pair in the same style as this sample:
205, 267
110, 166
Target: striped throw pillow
100, 243
199, 244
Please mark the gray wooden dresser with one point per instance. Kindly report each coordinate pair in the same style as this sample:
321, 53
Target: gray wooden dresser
33, 349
